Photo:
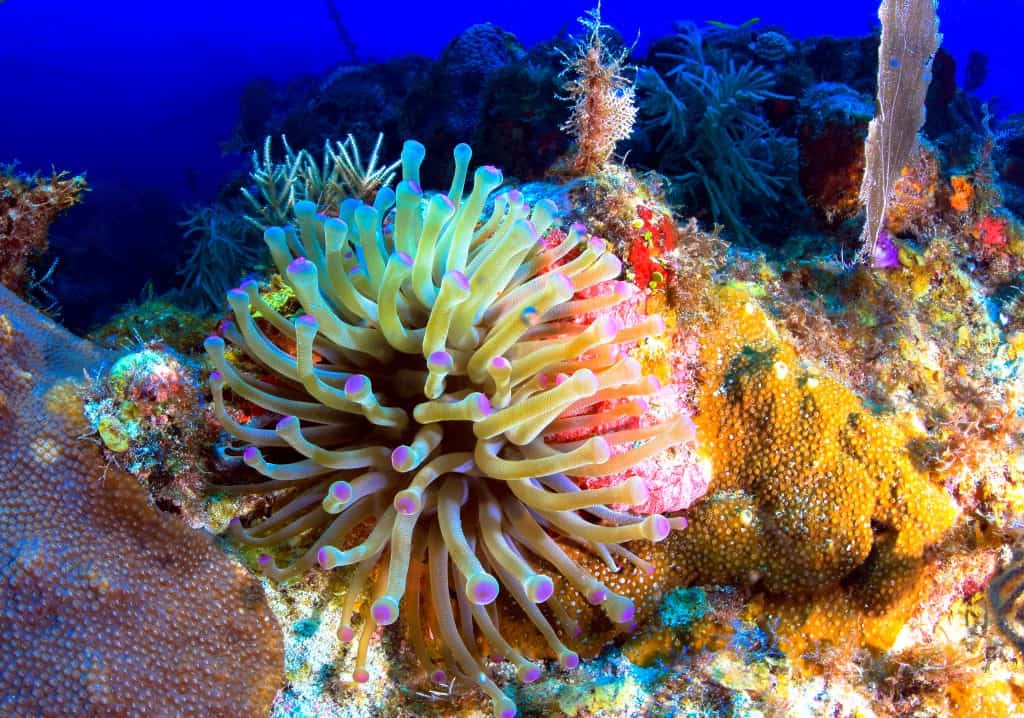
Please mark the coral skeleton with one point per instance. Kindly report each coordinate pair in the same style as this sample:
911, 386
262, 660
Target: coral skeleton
453, 372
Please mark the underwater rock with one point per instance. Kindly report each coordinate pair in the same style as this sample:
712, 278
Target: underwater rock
107, 607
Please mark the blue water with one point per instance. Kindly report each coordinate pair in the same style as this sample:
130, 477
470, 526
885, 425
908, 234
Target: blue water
142, 96
146, 92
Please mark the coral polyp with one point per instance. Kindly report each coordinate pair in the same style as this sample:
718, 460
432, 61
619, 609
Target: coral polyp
450, 374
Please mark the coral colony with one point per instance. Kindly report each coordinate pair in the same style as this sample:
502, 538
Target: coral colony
713, 409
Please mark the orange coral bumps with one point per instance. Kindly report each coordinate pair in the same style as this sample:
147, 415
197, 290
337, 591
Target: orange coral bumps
808, 484
107, 607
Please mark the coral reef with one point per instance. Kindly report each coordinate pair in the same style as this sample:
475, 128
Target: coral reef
108, 607
466, 458
28, 205
446, 413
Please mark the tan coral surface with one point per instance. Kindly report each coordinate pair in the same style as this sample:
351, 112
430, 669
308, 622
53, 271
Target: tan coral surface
107, 607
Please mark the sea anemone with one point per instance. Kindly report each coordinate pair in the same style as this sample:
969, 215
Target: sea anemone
451, 372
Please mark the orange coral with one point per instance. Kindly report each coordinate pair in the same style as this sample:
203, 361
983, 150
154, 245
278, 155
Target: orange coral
912, 209
809, 489
28, 205
963, 193
984, 697
108, 607
808, 485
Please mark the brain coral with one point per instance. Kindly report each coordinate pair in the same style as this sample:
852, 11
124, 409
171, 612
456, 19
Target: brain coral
107, 607
449, 377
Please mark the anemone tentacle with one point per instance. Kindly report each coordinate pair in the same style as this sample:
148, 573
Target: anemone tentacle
439, 356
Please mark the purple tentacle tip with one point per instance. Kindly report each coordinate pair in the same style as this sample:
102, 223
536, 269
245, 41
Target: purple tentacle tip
441, 358
251, 454
597, 596
484, 403
382, 613
355, 384
322, 557
531, 674
300, 264
406, 505
460, 279
483, 589
286, 422
662, 527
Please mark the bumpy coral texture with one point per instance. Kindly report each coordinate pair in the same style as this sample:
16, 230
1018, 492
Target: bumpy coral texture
809, 485
812, 498
453, 378
107, 607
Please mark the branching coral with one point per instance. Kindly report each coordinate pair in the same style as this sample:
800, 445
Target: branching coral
603, 110
710, 138
28, 205
452, 373
340, 174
